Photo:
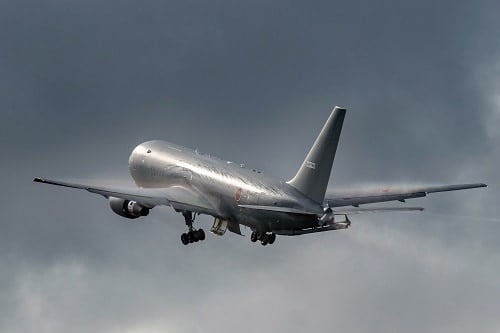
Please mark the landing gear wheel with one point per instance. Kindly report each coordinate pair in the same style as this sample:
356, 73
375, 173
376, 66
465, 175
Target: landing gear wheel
265, 239
193, 235
190, 237
184, 239
200, 234
271, 238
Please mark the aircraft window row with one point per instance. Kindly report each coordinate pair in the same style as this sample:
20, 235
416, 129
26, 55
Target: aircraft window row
173, 148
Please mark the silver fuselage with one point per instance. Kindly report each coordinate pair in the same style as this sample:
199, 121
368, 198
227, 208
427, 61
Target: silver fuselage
160, 164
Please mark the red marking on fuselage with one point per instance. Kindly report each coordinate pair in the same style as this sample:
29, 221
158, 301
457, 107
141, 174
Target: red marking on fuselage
237, 195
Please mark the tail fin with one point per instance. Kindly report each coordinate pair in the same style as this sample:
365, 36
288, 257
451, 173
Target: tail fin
312, 177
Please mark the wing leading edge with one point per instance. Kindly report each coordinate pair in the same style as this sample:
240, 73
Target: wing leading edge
388, 194
178, 197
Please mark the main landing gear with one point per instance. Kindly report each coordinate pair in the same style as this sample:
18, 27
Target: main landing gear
192, 235
263, 237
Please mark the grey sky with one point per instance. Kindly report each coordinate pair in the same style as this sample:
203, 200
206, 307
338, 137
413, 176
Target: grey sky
83, 82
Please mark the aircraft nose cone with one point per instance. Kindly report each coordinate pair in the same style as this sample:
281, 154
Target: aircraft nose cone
137, 156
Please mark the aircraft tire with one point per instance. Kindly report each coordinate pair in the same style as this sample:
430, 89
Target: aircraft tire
253, 237
190, 237
184, 239
265, 239
194, 236
200, 234
271, 238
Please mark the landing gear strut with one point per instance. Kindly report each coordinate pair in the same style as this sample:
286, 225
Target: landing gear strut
263, 237
192, 235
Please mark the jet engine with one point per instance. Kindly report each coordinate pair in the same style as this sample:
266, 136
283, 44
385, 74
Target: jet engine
127, 208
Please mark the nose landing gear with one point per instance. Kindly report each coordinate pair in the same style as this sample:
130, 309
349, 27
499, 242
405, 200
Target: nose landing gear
192, 235
263, 237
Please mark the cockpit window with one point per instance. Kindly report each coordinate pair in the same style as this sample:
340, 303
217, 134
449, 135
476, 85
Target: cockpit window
149, 151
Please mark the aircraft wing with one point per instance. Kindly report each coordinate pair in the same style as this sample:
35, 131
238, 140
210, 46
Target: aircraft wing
177, 197
360, 197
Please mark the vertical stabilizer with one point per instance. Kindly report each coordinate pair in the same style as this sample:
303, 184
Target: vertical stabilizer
312, 177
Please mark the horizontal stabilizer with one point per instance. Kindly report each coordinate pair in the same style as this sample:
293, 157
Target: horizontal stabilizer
377, 210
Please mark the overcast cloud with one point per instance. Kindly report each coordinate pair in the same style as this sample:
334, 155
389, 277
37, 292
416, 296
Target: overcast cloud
83, 82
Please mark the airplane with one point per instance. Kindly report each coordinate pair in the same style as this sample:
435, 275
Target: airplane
193, 183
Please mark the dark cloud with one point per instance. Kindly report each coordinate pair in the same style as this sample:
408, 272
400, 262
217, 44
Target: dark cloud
82, 83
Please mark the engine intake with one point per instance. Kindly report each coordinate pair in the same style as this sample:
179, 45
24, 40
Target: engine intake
127, 208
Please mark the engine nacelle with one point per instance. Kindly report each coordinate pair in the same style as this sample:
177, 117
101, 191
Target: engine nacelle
127, 208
